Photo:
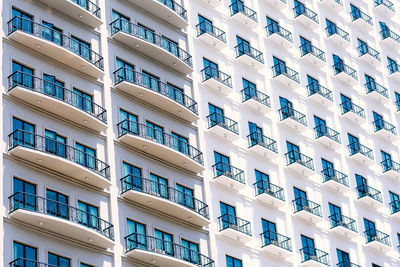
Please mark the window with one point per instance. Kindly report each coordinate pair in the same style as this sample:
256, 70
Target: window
24, 194
387, 163
397, 95
305, 46
338, 64
185, 196
164, 242
120, 22
263, 184
378, 121
210, 69
233, 262
155, 132
216, 116
136, 234
313, 85
58, 261
53, 86
82, 100
85, 265
55, 143
146, 33
85, 156
343, 258
23, 133
328, 169
22, 20
80, 48
88, 215
25, 253
222, 165
128, 122
228, 216
300, 198
125, 71
269, 232
132, 177
394, 202
308, 247
370, 231
354, 144
392, 65
355, 12
320, 126
159, 185
205, 25
293, 154
243, 46
57, 204
170, 45
22, 75
190, 251
362, 47
249, 89
180, 143
370, 83
272, 26
52, 33
299, 8
336, 215
151, 81
346, 103
176, 93
362, 185
330, 27
279, 67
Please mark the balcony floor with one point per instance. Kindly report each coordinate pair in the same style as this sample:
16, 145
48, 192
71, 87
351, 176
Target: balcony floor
159, 259
284, 80
346, 78
378, 246
386, 135
344, 232
378, 97
354, 117
297, 167
251, 62
326, 141
309, 23
243, 19
363, 159
212, 41
229, 182
279, 40
277, 251
392, 175
367, 58
236, 235
312, 263
335, 38
224, 133
391, 43
308, 217
218, 86
336, 186
314, 61
264, 152
213, 3
270, 200
257, 106
370, 202
333, 6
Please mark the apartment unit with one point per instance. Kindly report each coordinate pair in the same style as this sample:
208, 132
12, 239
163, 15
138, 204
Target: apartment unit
204, 133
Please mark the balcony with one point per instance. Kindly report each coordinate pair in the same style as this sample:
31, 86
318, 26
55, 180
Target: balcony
377, 240
306, 16
394, 71
269, 193
243, 14
390, 38
279, 35
167, 10
152, 45
276, 244
395, 208
86, 12
299, 163
229, 176
385, 130
234, 228
369, 196
59, 157
313, 55
361, 153
165, 199
256, 100
337, 35
285, 75
262, 145
307, 210
336, 5
56, 217
335, 180
320, 94
327, 136
385, 7
345, 73
223, 127
27, 262
278, 4
249, 56
152, 250
211, 35
161, 145
362, 20
312, 257
369, 55
58, 100
347, 264
391, 169
293, 119
156, 93
217, 80
353, 112
343, 225
56, 46
377, 91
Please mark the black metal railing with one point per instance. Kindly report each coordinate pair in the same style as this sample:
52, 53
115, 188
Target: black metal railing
335, 175
239, 7
307, 48
147, 186
124, 74
256, 138
311, 253
390, 165
323, 130
244, 49
213, 73
23, 262
56, 37
273, 238
341, 67
166, 248
216, 119
316, 88
358, 14
159, 136
347, 264
348, 106
356, 147
373, 86
395, 206
207, 27
252, 93
301, 203
375, 235
333, 29
225, 169
265, 187
229, 221
275, 28
282, 69
89, 6
174, 6
381, 124
301, 9
291, 113
386, 33
368, 191
338, 219
386, 3
122, 25
50, 146
365, 49
294, 156
38, 204
57, 92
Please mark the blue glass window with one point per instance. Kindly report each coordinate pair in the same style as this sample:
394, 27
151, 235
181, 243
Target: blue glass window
137, 234
233, 262
88, 215
59, 261
22, 251
85, 156
57, 204
190, 251
155, 132
164, 242
27, 200
55, 143
159, 185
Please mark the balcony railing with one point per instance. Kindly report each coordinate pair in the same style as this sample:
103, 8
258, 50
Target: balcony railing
375, 235
347, 264
33, 203
216, 119
381, 124
256, 138
301, 203
302, 10
50, 146
56, 37
136, 241
291, 113
341, 67
356, 147
386, 33
207, 27
338, 219
374, 86
348, 106
333, 29
282, 69
265, 187
386, 3
275, 28
124, 74
395, 206
365, 49
244, 49
89, 6
297, 157
239, 7
368, 191
307, 48
225, 169
57, 92
23, 262
229, 221
323, 130
311, 253
358, 14
252, 93
159, 136
316, 88
213, 73
122, 25
174, 6
273, 238
335, 175
390, 165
